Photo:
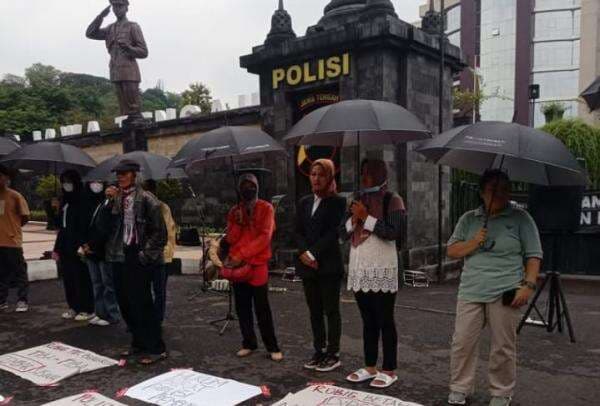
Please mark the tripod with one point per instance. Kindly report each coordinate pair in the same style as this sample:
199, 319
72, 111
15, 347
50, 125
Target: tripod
557, 304
228, 317
200, 212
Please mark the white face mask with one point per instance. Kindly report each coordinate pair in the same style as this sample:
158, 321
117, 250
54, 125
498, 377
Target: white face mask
68, 187
96, 187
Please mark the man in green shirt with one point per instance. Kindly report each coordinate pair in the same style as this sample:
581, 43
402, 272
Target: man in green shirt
502, 262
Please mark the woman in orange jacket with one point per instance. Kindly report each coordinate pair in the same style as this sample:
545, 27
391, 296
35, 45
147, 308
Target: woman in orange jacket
250, 227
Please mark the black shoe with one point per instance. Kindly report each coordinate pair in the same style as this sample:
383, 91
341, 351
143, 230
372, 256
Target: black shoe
329, 363
314, 361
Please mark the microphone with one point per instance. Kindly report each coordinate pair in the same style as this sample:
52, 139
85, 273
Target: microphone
192, 191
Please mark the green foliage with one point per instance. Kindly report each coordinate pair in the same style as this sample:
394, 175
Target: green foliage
169, 190
47, 187
553, 111
38, 215
198, 94
465, 100
582, 140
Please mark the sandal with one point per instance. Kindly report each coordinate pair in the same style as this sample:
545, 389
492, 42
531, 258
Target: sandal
386, 380
131, 352
152, 358
362, 375
244, 352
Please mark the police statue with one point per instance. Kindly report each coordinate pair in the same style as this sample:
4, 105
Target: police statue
125, 43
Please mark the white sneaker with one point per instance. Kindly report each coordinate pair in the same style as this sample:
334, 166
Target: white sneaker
84, 316
69, 315
22, 307
457, 398
97, 321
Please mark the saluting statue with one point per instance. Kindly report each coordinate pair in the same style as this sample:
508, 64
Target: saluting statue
125, 43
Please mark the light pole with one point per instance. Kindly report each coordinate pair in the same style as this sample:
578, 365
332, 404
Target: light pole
440, 130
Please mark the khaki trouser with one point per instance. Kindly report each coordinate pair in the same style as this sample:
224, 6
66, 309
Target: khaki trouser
471, 319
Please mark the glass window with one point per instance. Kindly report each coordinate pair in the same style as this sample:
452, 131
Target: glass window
559, 54
571, 111
557, 24
453, 19
554, 4
559, 84
455, 38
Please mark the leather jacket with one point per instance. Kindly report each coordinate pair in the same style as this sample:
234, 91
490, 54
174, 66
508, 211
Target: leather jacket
150, 227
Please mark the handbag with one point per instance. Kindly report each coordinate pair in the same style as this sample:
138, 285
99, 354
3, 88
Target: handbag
236, 275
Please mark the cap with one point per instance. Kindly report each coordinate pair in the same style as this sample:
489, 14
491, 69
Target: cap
118, 2
127, 165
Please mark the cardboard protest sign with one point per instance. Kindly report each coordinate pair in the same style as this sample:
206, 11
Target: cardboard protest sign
326, 395
51, 363
190, 388
87, 398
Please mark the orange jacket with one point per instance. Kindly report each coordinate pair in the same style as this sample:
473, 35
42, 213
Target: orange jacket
251, 241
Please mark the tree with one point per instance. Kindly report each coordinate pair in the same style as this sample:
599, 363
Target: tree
39, 75
198, 94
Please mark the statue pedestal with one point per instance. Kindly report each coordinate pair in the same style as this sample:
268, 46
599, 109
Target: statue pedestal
134, 134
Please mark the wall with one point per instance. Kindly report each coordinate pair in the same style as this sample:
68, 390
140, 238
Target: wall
590, 53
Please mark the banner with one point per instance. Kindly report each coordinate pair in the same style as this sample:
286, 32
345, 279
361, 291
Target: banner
190, 388
51, 363
87, 398
326, 395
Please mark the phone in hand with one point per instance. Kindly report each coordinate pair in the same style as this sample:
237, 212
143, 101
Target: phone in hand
509, 296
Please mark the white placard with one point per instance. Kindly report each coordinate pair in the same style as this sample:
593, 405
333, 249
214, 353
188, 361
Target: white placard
87, 398
190, 388
325, 395
51, 363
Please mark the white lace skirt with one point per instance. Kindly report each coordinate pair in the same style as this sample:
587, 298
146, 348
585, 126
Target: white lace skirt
373, 266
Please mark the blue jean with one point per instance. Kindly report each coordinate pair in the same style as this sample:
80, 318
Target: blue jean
105, 299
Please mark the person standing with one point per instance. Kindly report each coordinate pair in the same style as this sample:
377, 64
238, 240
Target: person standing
73, 221
105, 300
502, 263
320, 263
14, 214
250, 227
161, 274
373, 227
135, 247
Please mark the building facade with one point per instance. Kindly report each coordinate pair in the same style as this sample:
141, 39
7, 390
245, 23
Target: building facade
510, 44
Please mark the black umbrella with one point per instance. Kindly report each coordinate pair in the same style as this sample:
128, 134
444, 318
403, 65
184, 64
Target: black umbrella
7, 146
225, 143
358, 122
591, 95
49, 157
152, 167
524, 153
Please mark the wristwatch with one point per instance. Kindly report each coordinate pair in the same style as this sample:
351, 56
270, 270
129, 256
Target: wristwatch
530, 285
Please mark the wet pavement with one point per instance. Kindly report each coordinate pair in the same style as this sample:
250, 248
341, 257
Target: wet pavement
552, 371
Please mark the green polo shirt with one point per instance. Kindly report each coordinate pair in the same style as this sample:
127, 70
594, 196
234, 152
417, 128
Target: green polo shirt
513, 238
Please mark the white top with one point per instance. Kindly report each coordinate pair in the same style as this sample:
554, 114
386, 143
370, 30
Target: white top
373, 264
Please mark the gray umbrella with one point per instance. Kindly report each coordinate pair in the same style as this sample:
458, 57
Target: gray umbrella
152, 167
358, 122
7, 146
225, 143
49, 157
526, 154
591, 95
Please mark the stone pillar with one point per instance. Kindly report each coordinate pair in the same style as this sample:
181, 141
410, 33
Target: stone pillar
134, 135
590, 54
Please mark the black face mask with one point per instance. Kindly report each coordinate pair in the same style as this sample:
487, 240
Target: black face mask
248, 194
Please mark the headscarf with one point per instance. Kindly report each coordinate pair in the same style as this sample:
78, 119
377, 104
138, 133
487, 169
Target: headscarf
329, 168
249, 177
73, 177
377, 169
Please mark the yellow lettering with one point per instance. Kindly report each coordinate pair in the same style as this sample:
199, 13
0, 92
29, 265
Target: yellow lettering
333, 67
346, 64
294, 75
308, 76
321, 69
278, 76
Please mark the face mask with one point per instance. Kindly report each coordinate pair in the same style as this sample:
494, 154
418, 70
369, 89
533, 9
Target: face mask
68, 187
96, 187
248, 194
373, 189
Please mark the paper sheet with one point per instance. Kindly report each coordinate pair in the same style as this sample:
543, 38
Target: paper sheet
325, 395
87, 398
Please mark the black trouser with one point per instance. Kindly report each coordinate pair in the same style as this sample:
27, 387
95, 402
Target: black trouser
377, 312
133, 288
160, 275
77, 283
13, 268
323, 299
247, 297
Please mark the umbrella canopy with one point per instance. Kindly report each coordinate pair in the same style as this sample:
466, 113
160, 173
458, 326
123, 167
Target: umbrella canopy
591, 95
225, 143
7, 146
49, 157
526, 154
358, 122
152, 167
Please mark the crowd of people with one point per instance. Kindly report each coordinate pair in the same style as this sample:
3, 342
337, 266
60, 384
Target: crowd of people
114, 243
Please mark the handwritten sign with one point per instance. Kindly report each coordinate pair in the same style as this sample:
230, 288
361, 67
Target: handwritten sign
326, 395
51, 363
190, 388
87, 398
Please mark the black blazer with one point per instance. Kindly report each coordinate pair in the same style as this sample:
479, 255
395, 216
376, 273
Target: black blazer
319, 234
